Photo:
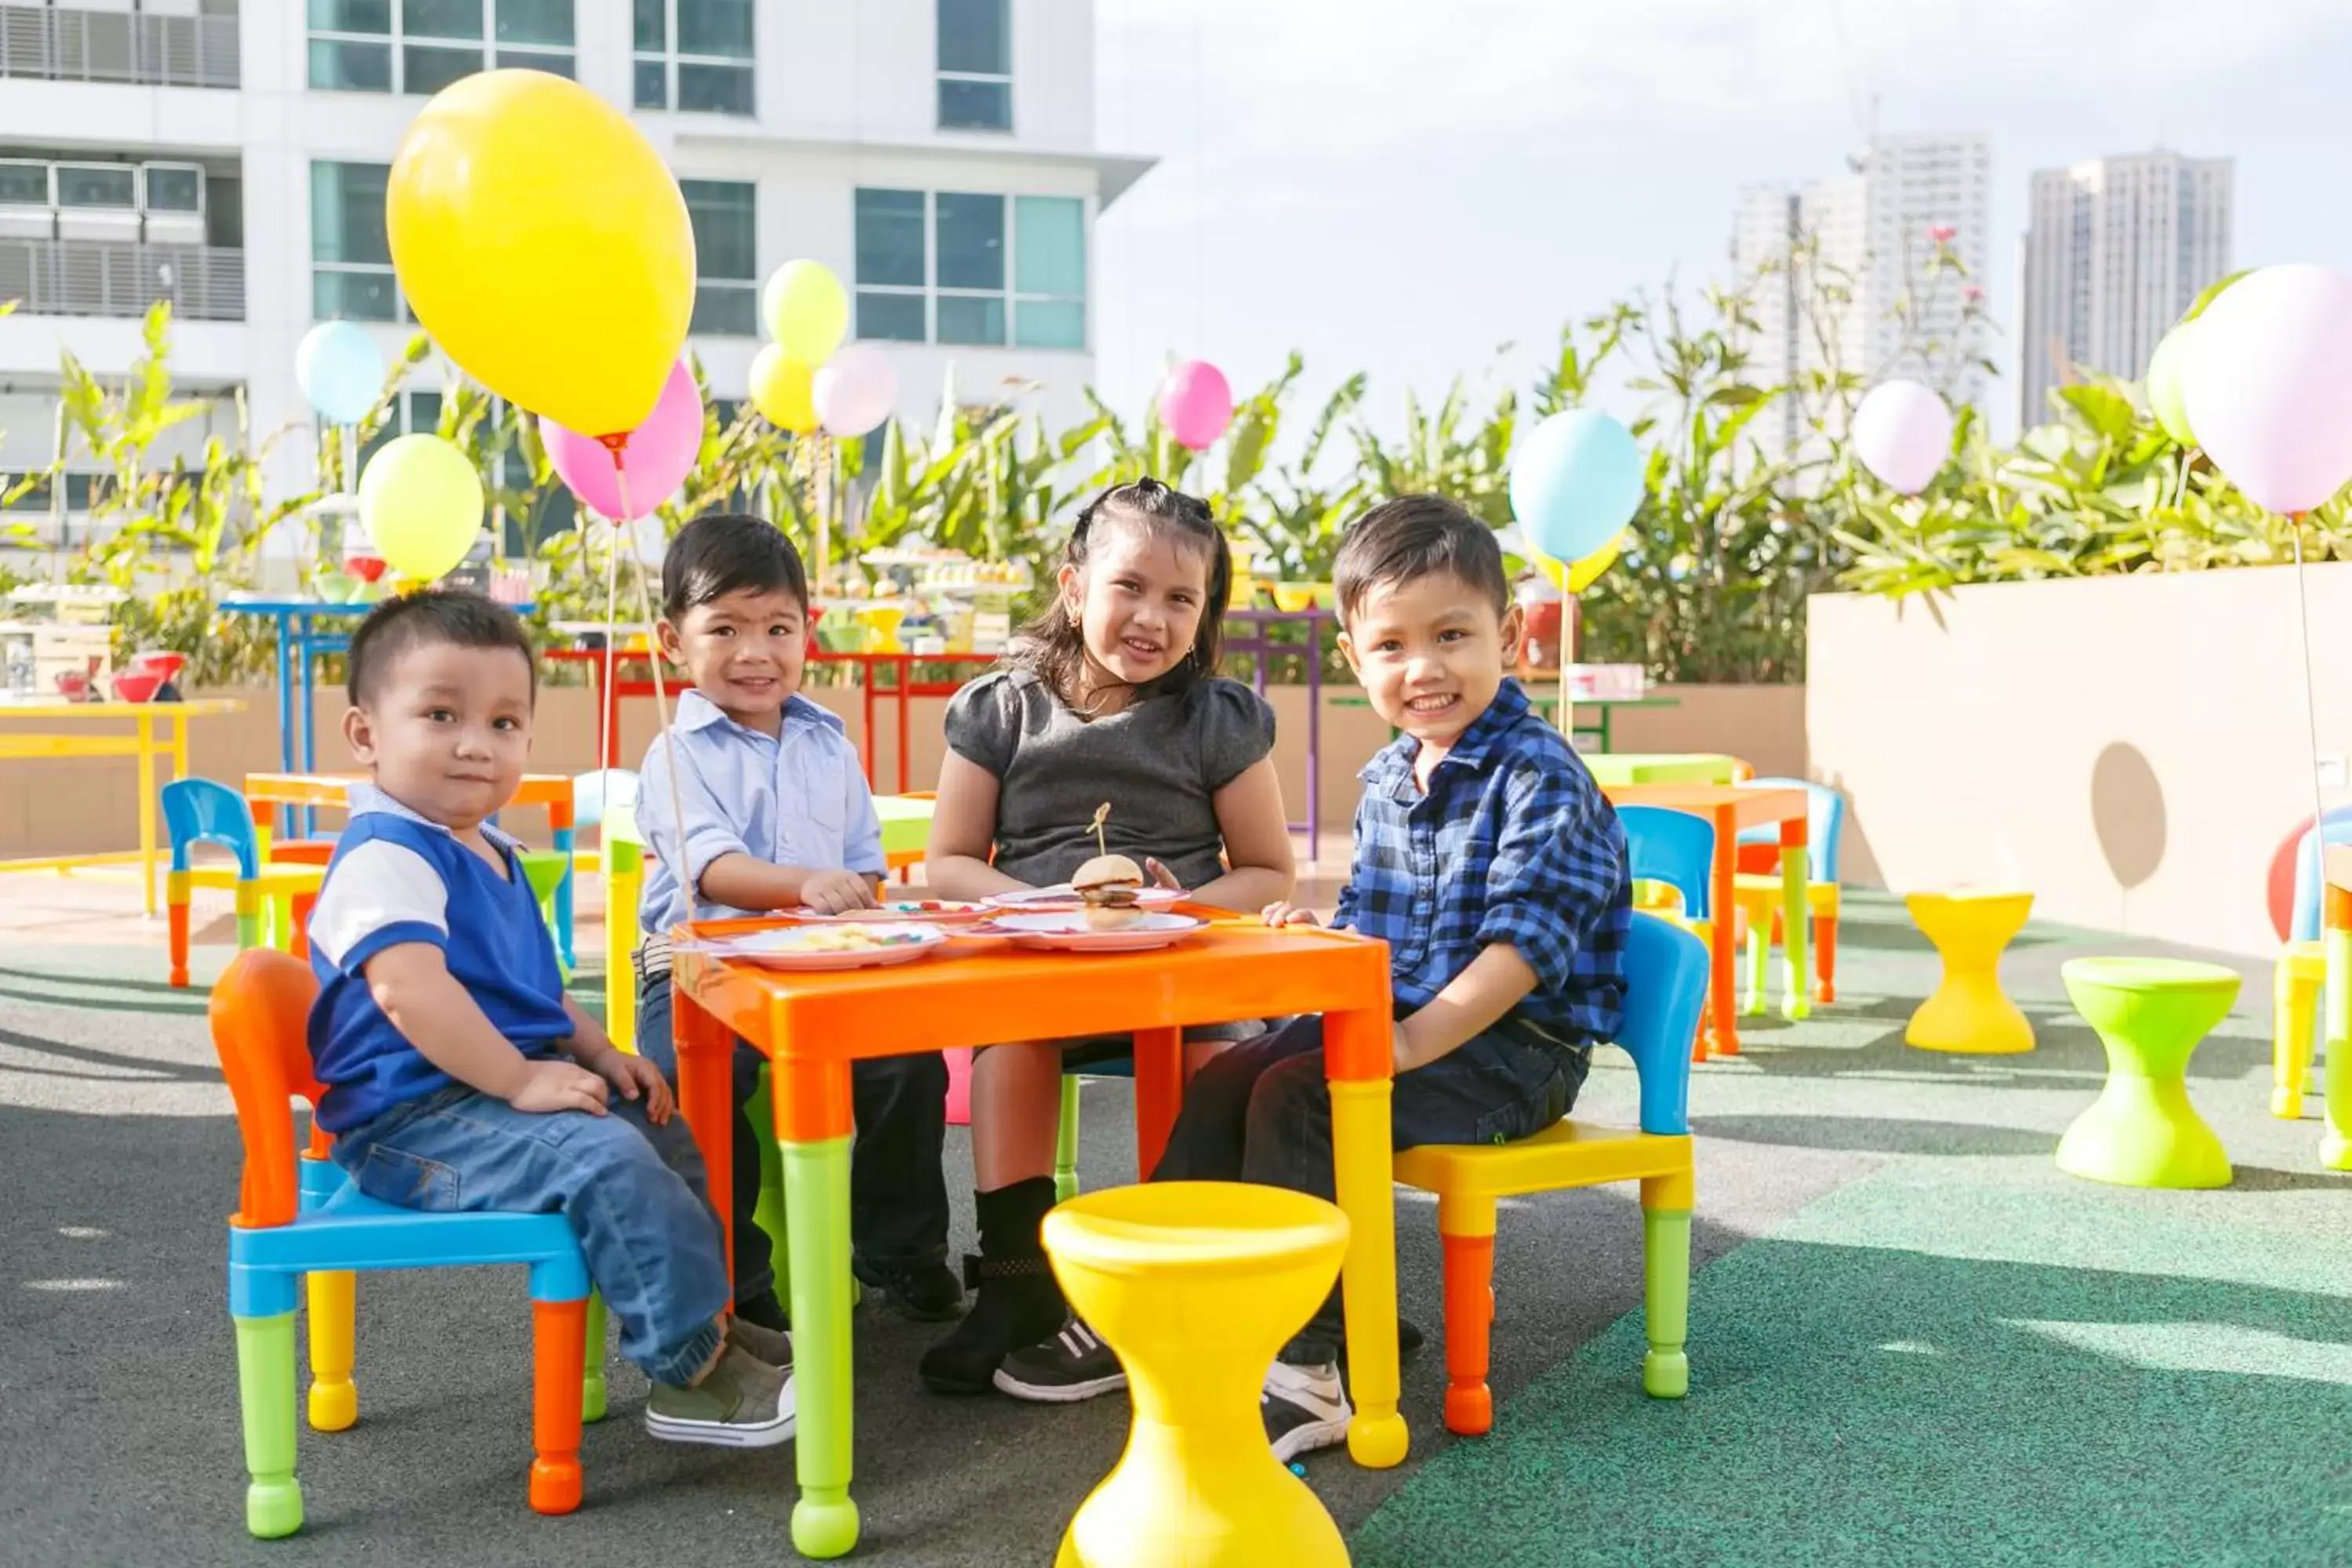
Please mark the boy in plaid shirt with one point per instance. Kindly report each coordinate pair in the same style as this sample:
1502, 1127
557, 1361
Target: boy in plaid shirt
1489, 862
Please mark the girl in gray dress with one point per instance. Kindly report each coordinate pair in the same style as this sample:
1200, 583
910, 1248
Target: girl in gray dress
1112, 694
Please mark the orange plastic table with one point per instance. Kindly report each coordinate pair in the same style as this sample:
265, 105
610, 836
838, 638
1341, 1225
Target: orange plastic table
1731, 808
977, 992
2336, 1132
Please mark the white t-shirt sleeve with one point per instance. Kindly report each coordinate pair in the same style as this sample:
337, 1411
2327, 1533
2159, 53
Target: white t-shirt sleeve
380, 895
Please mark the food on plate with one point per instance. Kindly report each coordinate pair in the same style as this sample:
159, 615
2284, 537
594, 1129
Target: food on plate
839, 939
1108, 884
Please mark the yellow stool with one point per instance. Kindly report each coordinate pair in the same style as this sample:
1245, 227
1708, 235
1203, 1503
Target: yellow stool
1969, 1012
1196, 1285
2296, 981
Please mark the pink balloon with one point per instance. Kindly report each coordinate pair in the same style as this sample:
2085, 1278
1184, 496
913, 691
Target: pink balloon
2269, 385
1195, 403
658, 455
1902, 432
855, 390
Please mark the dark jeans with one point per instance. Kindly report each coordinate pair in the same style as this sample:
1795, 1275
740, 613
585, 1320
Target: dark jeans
632, 1193
897, 1185
1262, 1113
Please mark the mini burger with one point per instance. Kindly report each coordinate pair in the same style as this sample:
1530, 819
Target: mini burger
1108, 884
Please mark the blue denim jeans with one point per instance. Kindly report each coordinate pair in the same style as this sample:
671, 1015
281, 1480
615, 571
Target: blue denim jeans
897, 1185
1261, 1111
632, 1193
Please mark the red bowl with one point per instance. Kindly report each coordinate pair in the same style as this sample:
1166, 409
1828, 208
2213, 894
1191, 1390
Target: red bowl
136, 686
72, 685
159, 661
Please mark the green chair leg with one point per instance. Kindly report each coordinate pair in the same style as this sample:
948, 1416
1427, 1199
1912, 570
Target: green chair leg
1665, 1301
1066, 1143
592, 1368
1759, 959
265, 1389
770, 1214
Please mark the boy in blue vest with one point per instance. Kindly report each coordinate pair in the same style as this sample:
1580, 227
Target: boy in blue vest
459, 1075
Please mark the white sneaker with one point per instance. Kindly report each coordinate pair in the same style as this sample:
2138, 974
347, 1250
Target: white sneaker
1305, 1408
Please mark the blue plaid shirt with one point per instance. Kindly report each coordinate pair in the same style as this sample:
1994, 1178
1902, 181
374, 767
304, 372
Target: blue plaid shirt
1514, 843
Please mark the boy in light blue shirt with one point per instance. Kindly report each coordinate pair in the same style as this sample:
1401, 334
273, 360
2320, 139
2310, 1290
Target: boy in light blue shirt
777, 816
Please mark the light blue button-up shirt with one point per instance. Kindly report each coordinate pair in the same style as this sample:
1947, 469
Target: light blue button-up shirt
800, 800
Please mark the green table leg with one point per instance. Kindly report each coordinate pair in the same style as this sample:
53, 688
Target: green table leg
816, 1233
1796, 992
2335, 1134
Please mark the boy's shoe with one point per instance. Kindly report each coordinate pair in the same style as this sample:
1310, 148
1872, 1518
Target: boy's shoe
762, 1344
1305, 1409
1072, 1366
926, 1293
741, 1403
765, 1310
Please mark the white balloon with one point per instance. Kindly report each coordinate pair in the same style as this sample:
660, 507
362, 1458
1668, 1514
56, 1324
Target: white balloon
1902, 432
855, 390
2269, 385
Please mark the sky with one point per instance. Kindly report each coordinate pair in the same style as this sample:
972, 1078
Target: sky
1402, 186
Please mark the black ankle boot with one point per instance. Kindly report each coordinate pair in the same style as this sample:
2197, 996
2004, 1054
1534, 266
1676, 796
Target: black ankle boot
1017, 1301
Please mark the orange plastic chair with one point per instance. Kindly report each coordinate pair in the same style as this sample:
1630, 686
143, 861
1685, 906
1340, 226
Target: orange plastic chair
299, 1218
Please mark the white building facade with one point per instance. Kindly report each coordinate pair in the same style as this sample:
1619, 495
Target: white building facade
2114, 250
231, 156
1841, 266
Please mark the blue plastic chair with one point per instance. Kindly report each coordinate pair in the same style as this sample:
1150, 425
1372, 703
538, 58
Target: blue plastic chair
2306, 873
1824, 826
299, 1217
201, 811
1666, 987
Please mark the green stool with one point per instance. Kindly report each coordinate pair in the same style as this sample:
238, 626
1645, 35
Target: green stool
2150, 1014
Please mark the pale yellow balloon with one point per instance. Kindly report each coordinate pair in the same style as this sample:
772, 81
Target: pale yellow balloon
806, 310
1575, 576
783, 390
421, 503
544, 244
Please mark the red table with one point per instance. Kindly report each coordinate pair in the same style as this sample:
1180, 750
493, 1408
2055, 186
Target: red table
903, 690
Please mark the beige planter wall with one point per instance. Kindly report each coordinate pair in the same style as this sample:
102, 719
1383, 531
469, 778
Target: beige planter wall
2131, 749
57, 809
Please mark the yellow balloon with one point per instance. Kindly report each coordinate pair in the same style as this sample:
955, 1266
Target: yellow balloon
421, 503
806, 310
1575, 576
783, 390
545, 246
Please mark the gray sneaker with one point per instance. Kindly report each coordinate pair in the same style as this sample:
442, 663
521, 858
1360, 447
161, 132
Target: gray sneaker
742, 1402
758, 1343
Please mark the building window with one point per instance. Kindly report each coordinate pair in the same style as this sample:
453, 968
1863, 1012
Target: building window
975, 64
726, 255
694, 56
351, 257
950, 269
420, 46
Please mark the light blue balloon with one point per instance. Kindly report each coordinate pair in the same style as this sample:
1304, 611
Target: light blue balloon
1576, 482
341, 371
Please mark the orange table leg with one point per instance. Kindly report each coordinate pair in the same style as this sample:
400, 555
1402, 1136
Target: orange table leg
1358, 1056
1722, 1009
559, 1340
1159, 1094
706, 1097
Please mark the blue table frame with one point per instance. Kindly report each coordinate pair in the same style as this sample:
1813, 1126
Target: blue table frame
1260, 642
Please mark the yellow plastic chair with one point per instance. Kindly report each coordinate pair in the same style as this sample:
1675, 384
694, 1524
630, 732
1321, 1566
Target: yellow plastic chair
624, 883
2296, 981
1666, 971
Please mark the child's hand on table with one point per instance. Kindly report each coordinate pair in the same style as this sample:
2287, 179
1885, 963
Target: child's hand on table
550, 1086
837, 892
1289, 915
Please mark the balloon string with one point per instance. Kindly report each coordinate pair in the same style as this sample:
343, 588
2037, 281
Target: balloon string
605, 739
661, 693
2310, 705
